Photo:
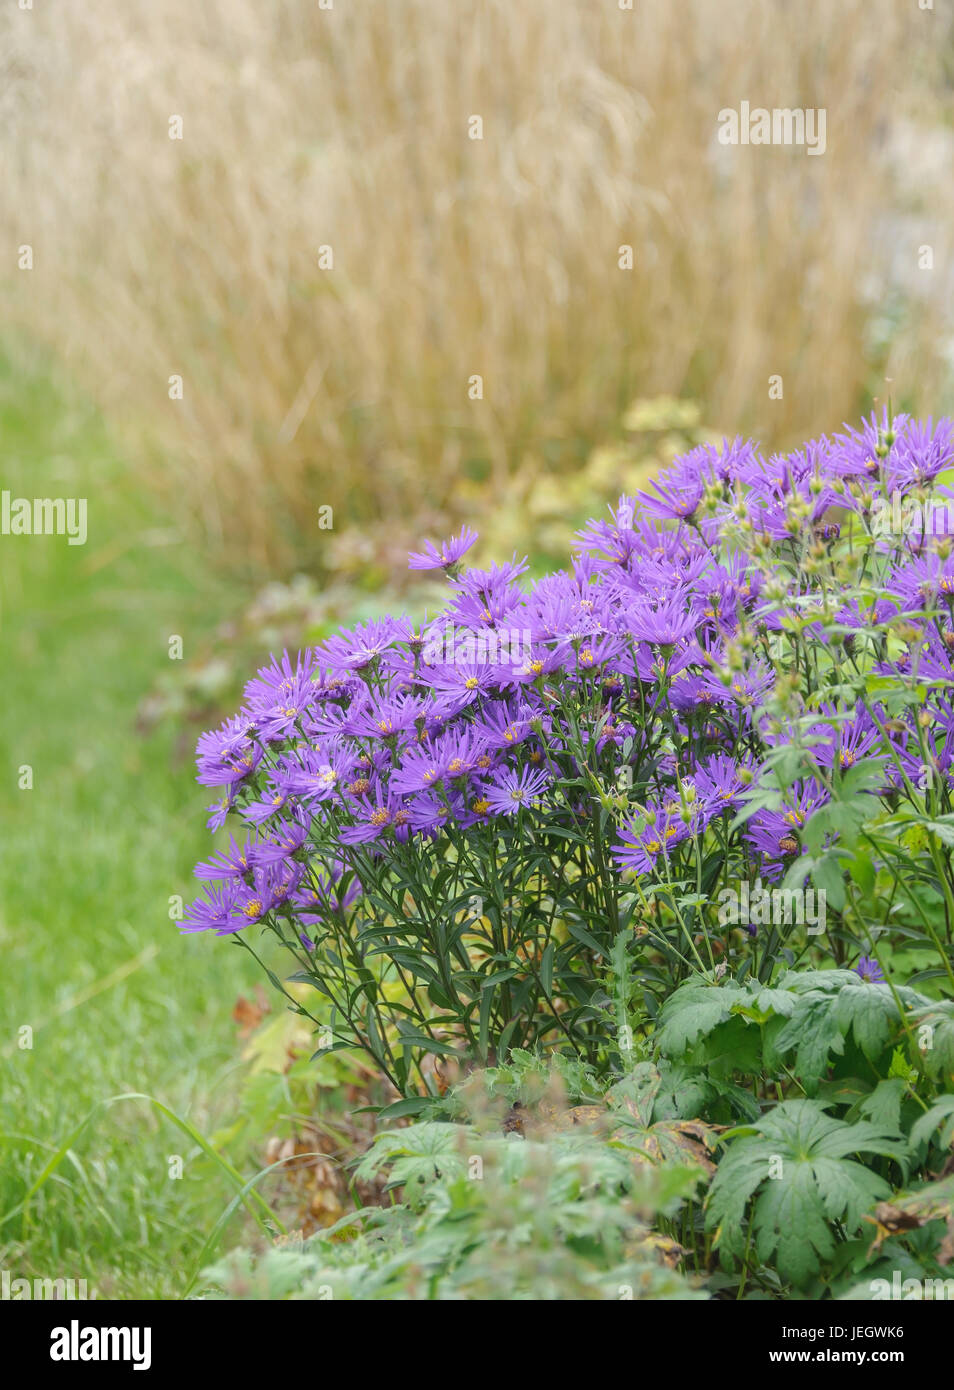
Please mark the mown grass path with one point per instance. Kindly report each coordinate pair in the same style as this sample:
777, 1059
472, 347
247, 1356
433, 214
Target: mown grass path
117, 1000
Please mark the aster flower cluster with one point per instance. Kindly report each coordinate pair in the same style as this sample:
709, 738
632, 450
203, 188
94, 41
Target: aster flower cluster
697, 686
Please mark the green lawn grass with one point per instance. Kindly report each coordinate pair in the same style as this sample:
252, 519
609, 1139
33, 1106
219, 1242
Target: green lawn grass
118, 1001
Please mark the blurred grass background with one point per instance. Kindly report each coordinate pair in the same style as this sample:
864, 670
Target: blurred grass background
303, 386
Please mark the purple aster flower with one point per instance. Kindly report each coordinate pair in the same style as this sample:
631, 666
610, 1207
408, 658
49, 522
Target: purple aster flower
463, 750
425, 765
284, 839
745, 688
856, 452
510, 790
663, 625
777, 515
869, 970
386, 718
270, 804
558, 613
277, 882
504, 724
921, 451
614, 542
719, 781
589, 654
362, 646
845, 740
279, 679
924, 582
539, 661
429, 812
278, 717
487, 583
461, 684
729, 589
233, 905
319, 774
775, 833
677, 492
447, 556
644, 838
689, 694
629, 543
858, 619
219, 811
236, 862
215, 912
422, 766
501, 609
227, 755
386, 813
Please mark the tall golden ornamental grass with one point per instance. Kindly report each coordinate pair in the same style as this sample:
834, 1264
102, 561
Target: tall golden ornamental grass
349, 128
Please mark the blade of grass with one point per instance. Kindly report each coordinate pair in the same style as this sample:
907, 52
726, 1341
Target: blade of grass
258, 1207
212, 1238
